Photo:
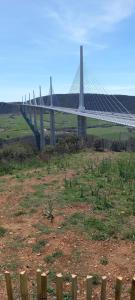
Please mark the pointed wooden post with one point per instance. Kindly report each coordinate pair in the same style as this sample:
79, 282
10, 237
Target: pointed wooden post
103, 288
24, 286
59, 286
38, 284
118, 288
74, 287
132, 297
9, 286
89, 287
43, 286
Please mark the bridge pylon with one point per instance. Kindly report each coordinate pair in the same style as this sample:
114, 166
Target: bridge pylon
81, 95
35, 113
52, 116
30, 109
81, 119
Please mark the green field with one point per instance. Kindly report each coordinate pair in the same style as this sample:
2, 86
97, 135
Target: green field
12, 126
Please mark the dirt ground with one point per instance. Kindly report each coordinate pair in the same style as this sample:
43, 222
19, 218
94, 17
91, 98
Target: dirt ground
80, 256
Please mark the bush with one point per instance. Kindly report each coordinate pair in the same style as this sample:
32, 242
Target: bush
68, 144
16, 152
99, 145
119, 146
13, 156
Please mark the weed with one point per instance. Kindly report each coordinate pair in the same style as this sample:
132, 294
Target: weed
11, 265
96, 279
52, 275
130, 235
49, 210
126, 169
51, 291
105, 166
2, 231
67, 277
53, 257
19, 213
39, 245
67, 296
17, 243
96, 229
104, 260
42, 228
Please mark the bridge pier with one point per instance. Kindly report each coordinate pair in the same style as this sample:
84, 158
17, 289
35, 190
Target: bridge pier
52, 128
30, 114
25, 110
81, 121
35, 119
42, 136
30, 110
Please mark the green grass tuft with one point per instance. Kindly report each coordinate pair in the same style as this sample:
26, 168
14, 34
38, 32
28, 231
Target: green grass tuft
2, 231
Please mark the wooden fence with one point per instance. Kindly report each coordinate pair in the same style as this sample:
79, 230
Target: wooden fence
41, 287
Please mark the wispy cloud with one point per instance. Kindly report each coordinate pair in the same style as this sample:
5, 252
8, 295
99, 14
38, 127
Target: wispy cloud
82, 22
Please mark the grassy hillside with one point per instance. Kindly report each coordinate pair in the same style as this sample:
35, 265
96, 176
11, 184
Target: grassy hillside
91, 198
12, 126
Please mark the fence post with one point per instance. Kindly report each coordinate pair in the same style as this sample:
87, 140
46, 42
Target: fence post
43, 286
118, 288
74, 287
103, 288
89, 287
38, 284
24, 286
9, 286
59, 286
132, 296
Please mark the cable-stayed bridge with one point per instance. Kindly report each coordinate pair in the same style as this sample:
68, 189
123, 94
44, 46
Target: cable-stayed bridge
106, 107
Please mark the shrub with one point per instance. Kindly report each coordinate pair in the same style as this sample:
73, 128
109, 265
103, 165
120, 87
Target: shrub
99, 145
104, 260
17, 152
2, 231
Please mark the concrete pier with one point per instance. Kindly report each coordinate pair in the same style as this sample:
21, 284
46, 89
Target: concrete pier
81, 126
42, 135
52, 128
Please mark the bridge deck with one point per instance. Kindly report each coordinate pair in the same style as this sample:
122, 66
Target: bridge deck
117, 118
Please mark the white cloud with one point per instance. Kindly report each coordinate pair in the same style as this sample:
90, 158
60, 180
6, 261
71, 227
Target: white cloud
81, 22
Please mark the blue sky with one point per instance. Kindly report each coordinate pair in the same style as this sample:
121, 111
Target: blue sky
39, 38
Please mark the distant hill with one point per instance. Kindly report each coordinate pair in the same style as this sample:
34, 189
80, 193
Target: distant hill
7, 108
71, 100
